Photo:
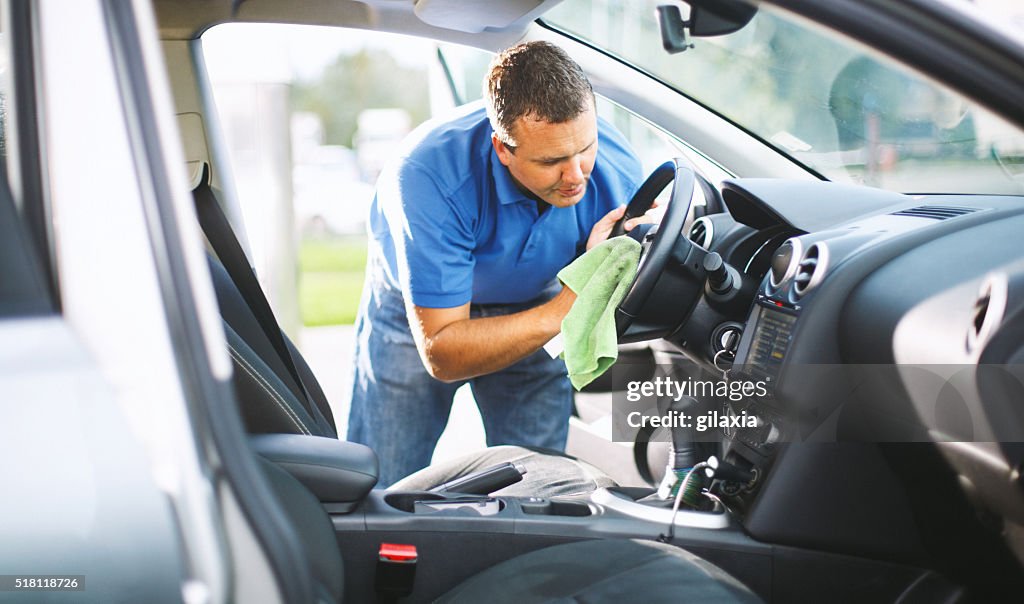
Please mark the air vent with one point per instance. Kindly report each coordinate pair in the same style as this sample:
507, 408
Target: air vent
980, 313
784, 262
935, 212
702, 231
988, 311
811, 269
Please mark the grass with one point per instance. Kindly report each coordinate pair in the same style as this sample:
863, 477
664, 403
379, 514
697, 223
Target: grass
331, 279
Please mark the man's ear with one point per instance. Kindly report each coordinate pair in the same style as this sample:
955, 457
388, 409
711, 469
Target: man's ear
504, 153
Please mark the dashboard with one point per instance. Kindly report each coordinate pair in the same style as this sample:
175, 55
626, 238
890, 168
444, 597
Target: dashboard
878, 317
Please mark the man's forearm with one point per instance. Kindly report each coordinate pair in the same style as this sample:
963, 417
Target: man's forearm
471, 347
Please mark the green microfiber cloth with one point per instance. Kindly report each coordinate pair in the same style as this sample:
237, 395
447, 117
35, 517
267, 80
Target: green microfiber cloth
600, 279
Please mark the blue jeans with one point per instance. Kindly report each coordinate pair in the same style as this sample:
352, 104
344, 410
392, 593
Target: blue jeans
400, 411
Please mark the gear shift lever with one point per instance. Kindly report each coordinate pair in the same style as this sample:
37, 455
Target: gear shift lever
683, 454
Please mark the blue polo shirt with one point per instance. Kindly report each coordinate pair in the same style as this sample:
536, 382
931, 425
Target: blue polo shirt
452, 227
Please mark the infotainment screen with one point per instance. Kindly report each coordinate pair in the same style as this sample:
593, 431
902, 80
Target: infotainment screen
770, 341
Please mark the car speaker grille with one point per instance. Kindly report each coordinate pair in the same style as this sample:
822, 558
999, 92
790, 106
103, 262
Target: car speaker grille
935, 212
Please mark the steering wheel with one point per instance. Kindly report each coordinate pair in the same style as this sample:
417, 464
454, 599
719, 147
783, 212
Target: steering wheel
669, 259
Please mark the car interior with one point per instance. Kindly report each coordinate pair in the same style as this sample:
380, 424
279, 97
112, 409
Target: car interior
882, 465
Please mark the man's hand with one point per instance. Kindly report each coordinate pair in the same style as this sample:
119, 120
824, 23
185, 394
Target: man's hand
455, 347
603, 228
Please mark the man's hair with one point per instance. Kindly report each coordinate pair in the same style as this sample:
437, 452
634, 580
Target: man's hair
534, 79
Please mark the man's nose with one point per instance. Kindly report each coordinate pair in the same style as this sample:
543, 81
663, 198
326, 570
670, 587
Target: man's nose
573, 171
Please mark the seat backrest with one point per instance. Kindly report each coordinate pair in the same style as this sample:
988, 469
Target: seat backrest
271, 398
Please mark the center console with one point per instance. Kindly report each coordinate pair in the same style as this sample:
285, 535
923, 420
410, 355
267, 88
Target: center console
761, 358
458, 536
606, 512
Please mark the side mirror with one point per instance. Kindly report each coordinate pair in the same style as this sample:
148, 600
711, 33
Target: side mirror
707, 18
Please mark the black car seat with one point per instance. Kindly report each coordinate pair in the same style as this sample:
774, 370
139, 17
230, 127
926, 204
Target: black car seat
278, 392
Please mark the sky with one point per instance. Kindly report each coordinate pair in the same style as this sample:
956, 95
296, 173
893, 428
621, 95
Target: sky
285, 52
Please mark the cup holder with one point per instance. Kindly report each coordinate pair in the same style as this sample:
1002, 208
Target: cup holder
406, 501
557, 507
445, 504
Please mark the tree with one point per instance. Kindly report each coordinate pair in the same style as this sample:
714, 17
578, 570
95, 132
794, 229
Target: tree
370, 78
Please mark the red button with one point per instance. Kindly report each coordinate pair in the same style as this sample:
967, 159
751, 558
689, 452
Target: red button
397, 552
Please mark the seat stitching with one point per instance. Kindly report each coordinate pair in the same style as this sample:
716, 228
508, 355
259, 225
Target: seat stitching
269, 389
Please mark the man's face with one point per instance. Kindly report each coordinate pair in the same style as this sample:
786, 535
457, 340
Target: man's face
552, 161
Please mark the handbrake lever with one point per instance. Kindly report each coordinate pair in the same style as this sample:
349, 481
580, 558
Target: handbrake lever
485, 481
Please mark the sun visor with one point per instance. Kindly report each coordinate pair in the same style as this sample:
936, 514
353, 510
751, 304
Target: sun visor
474, 16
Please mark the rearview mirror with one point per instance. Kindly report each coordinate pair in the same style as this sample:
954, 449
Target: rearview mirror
707, 18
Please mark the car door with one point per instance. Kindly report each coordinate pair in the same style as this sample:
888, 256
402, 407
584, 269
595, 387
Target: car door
83, 510
125, 473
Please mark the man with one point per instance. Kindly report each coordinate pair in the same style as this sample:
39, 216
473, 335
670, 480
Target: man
469, 229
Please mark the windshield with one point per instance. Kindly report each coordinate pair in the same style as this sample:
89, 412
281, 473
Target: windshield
823, 100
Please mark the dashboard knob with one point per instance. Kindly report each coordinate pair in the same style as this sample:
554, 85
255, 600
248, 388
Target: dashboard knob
719, 279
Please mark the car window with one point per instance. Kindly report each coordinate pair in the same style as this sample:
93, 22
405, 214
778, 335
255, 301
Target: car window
829, 103
310, 115
464, 69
